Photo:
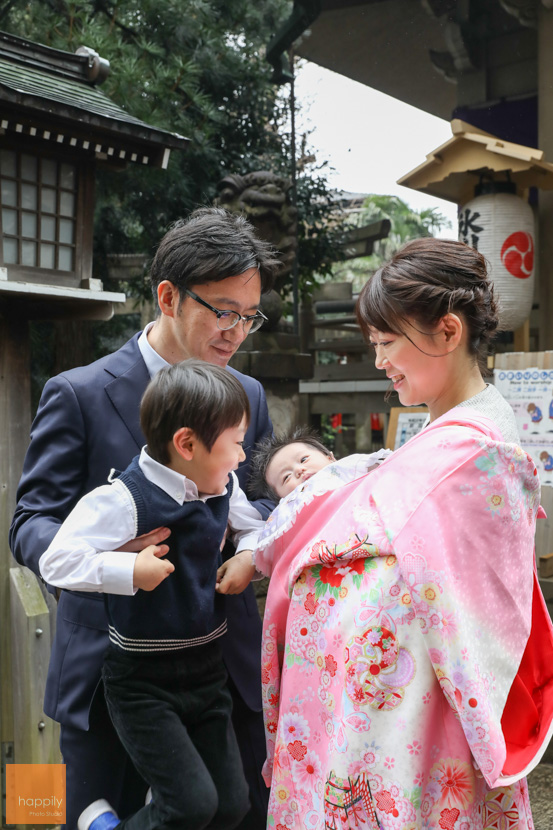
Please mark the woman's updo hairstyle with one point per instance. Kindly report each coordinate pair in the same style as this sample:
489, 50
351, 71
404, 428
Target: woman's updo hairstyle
425, 280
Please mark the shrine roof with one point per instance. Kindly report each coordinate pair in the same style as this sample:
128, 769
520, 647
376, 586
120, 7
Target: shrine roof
48, 88
453, 169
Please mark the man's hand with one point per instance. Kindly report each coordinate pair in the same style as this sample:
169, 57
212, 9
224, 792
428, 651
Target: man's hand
154, 537
150, 569
235, 574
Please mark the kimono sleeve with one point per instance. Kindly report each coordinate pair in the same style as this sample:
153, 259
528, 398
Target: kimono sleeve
465, 548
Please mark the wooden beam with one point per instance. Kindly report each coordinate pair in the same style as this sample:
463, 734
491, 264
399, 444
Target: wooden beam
545, 211
340, 345
326, 403
361, 370
35, 735
521, 337
546, 566
360, 241
15, 418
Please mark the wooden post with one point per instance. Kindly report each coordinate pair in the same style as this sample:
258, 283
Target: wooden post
306, 332
544, 527
15, 403
545, 143
521, 337
35, 735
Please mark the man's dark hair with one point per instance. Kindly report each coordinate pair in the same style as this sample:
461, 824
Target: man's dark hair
266, 450
205, 398
211, 245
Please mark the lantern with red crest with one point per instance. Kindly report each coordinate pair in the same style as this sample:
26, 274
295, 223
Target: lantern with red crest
501, 226
486, 174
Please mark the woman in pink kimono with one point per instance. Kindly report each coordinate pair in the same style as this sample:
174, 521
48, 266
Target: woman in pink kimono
407, 650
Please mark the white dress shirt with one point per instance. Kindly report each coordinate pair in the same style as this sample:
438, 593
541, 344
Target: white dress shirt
82, 555
154, 361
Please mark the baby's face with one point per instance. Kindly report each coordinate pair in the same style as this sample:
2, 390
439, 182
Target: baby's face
294, 464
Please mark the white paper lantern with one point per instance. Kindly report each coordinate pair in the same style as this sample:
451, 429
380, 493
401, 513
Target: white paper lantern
501, 226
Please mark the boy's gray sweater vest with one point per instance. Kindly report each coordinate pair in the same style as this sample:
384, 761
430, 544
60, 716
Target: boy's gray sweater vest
184, 610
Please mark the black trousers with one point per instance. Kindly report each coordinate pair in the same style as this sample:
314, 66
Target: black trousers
173, 716
97, 766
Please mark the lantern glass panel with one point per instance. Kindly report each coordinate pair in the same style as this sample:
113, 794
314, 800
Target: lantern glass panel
48, 200
29, 168
67, 204
8, 163
48, 173
47, 256
9, 193
65, 258
40, 211
67, 176
10, 251
28, 224
29, 196
9, 221
66, 231
28, 253
48, 228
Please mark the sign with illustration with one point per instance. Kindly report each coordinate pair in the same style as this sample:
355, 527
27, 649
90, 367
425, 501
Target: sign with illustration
405, 421
530, 393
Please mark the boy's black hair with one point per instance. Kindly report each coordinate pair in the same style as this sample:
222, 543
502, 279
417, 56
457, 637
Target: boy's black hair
268, 448
205, 398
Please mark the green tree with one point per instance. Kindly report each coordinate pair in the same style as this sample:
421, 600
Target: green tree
406, 223
194, 67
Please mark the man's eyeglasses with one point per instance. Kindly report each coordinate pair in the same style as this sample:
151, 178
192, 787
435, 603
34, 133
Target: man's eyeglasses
228, 319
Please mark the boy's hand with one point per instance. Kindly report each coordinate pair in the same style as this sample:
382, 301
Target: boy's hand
150, 569
154, 537
235, 574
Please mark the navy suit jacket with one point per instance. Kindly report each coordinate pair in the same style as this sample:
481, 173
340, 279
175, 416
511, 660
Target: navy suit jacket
88, 423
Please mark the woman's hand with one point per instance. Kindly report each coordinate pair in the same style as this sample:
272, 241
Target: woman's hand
150, 569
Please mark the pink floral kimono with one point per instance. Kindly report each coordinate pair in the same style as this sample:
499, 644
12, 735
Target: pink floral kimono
407, 658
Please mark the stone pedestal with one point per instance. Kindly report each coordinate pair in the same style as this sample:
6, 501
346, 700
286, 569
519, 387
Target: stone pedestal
267, 358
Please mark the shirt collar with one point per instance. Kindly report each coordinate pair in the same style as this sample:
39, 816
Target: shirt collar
154, 361
180, 488
177, 486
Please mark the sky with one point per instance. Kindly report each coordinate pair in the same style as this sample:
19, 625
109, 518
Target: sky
369, 139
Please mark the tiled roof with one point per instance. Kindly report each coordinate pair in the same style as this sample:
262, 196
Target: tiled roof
56, 90
42, 82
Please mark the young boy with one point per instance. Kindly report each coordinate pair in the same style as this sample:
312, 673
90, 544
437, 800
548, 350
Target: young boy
164, 678
280, 465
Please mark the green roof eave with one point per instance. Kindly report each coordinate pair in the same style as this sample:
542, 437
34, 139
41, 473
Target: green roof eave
42, 93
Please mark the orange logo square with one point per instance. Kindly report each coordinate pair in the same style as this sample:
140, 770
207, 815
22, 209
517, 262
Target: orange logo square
35, 794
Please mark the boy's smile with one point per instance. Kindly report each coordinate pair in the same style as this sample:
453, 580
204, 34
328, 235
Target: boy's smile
210, 468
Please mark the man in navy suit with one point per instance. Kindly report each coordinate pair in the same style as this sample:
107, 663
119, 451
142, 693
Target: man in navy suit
208, 276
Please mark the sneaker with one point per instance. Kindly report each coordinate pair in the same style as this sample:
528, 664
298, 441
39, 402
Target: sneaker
99, 815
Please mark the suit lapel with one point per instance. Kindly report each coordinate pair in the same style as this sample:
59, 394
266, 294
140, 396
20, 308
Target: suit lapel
129, 378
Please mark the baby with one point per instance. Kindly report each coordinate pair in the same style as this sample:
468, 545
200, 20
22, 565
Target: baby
281, 464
